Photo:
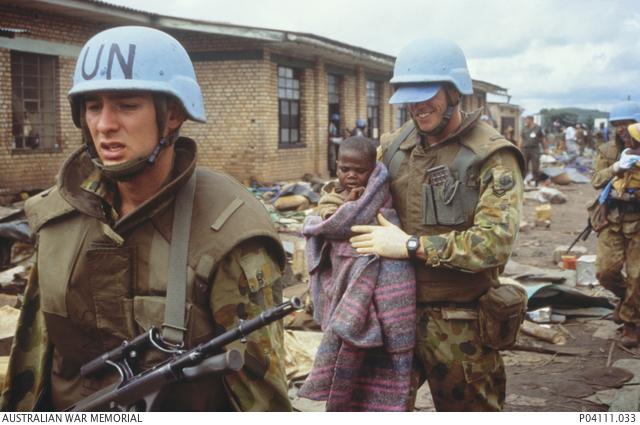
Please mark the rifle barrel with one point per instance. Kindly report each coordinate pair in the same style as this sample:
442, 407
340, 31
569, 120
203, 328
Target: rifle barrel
203, 359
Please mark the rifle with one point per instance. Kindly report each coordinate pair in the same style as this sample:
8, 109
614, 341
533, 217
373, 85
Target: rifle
139, 392
583, 235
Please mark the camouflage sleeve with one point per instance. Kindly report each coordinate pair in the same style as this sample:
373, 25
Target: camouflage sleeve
246, 282
602, 171
488, 242
30, 361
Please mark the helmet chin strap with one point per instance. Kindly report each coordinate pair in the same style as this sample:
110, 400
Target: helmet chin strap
128, 170
446, 117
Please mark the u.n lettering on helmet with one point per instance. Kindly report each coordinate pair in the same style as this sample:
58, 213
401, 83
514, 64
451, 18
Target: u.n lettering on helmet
424, 65
628, 110
134, 58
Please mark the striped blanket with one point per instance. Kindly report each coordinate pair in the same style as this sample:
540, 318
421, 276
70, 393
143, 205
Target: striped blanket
366, 308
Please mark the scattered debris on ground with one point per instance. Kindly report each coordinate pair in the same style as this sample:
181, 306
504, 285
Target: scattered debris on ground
566, 357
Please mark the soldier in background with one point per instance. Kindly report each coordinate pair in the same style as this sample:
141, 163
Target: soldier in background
600, 136
533, 144
618, 241
581, 138
358, 130
457, 187
105, 233
333, 144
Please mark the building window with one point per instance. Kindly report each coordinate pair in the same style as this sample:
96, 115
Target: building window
373, 109
288, 106
333, 97
333, 89
33, 84
401, 116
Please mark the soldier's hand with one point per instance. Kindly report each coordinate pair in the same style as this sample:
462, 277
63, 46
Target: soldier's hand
386, 240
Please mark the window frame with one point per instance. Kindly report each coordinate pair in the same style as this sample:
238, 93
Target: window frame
29, 94
289, 86
402, 115
373, 108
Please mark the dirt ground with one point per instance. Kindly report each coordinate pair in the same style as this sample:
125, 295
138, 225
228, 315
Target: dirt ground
582, 382
535, 245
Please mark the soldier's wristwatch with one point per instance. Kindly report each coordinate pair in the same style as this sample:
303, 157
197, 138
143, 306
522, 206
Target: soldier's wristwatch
413, 243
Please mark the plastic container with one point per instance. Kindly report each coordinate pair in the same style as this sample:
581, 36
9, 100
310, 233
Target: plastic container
586, 271
569, 262
543, 212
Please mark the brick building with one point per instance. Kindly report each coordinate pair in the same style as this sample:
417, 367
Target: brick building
268, 93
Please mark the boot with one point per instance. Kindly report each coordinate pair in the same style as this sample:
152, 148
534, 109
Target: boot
630, 335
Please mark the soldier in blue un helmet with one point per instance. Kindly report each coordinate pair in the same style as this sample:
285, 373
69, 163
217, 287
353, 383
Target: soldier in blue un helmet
107, 233
617, 222
358, 130
457, 187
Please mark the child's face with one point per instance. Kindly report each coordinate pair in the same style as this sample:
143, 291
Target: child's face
353, 169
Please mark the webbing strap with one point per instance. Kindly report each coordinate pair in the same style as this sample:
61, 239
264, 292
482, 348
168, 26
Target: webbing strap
173, 327
463, 160
390, 159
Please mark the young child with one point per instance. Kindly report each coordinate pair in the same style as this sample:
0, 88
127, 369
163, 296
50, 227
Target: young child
356, 161
364, 304
630, 180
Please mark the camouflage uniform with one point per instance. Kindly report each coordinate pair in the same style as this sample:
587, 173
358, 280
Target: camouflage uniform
619, 241
100, 279
464, 258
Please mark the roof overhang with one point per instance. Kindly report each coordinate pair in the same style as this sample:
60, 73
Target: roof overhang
489, 88
300, 44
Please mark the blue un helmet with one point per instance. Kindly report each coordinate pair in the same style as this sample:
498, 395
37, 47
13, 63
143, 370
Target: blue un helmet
135, 58
625, 111
424, 65
361, 123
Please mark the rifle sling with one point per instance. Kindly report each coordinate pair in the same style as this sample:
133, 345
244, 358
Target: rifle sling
173, 328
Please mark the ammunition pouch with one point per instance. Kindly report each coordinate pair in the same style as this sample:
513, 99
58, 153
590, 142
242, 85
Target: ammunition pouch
501, 311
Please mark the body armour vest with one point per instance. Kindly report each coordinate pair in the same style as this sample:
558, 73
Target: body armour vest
429, 208
101, 285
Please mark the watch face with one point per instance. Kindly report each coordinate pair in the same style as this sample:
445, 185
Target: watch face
412, 244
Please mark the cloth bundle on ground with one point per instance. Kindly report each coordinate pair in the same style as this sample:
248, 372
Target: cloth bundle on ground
366, 307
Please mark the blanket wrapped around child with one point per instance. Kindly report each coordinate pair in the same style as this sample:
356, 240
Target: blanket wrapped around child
366, 307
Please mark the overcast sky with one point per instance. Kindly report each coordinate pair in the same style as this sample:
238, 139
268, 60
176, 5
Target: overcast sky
547, 53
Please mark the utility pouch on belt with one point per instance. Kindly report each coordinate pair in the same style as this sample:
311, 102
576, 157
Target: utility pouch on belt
500, 313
